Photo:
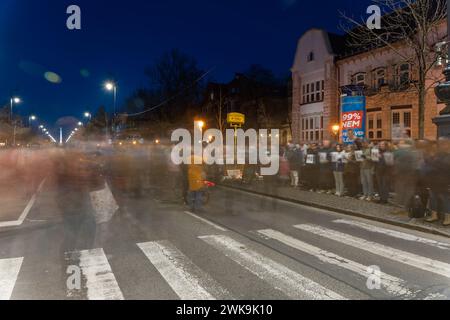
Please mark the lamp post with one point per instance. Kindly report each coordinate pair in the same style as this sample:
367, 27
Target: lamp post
88, 115
31, 119
336, 128
112, 86
13, 100
443, 89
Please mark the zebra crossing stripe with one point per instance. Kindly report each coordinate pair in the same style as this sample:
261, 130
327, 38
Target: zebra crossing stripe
420, 262
212, 224
100, 281
187, 280
9, 270
394, 233
282, 278
393, 285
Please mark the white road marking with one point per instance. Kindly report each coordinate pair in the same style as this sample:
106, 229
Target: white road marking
393, 285
100, 281
206, 221
25, 212
282, 278
187, 280
426, 264
9, 270
393, 233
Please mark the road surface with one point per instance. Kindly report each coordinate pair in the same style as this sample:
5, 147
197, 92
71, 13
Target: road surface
242, 246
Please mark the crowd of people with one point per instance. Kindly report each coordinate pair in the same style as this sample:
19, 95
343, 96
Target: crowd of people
411, 174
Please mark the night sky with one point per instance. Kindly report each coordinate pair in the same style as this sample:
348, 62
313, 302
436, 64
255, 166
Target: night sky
121, 38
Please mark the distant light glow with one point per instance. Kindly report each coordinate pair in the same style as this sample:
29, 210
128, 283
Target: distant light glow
85, 73
17, 100
52, 77
109, 86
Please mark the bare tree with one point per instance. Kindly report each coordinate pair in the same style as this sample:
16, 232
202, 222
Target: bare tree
411, 29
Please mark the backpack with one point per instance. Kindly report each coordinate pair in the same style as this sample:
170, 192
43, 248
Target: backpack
416, 207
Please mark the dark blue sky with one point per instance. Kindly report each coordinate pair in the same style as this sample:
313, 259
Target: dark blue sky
121, 38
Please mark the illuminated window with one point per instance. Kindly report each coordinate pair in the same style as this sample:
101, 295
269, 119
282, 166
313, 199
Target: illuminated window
402, 120
375, 125
312, 128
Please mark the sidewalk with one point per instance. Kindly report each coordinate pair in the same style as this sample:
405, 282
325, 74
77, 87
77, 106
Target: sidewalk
346, 205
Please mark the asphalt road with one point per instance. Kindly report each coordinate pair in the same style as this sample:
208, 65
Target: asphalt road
242, 246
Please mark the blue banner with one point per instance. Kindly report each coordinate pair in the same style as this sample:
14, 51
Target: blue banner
353, 118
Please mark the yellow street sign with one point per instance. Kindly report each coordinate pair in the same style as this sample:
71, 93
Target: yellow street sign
236, 118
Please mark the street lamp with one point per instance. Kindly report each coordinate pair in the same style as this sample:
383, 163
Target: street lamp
200, 124
88, 115
30, 119
80, 124
14, 100
112, 86
336, 128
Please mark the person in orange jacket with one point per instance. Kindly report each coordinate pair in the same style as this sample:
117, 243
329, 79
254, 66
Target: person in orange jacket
196, 178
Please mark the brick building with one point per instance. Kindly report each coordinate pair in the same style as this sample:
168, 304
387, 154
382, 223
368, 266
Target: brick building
325, 69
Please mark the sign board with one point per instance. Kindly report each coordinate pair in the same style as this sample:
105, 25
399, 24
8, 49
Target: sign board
323, 156
311, 159
375, 155
353, 118
359, 155
235, 118
234, 174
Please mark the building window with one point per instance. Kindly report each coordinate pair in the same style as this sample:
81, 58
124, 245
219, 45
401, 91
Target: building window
311, 56
313, 92
312, 128
379, 77
401, 123
403, 74
323, 90
359, 79
375, 125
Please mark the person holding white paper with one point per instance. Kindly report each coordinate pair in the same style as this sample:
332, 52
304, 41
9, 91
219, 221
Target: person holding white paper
338, 170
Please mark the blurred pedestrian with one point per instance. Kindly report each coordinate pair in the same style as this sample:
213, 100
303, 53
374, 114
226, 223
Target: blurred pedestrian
338, 169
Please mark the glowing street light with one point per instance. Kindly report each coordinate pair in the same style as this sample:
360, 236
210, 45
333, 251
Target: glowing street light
80, 124
14, 100
111, 86
200, 124
88, 115
336, 128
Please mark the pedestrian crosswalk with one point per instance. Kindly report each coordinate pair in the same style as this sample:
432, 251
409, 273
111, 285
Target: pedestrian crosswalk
291, 283
183, 276
404, 257
101, 283
9, 270
188, 278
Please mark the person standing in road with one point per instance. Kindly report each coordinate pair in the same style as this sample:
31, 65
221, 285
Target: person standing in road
196, 178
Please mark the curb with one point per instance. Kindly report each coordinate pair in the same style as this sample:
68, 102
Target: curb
343, 211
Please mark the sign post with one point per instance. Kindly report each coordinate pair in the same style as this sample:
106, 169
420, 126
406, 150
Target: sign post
236, 121
353, 118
